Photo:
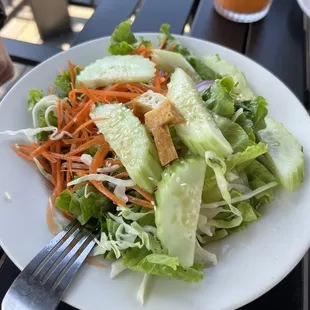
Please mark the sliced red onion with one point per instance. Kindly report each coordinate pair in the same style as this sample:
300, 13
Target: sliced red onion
203, 85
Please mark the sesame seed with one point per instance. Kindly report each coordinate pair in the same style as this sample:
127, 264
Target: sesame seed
183, 184
151, 178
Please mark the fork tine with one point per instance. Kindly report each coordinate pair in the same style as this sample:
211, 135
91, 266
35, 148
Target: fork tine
64, 261
47, 264
48, 248
62, 285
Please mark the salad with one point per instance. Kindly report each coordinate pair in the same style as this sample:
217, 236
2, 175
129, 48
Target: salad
163, 151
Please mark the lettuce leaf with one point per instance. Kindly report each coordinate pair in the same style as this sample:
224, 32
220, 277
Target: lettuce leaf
218, 97
160, 264
258, 175
217, 235
255, 110
247, 125
123, 40
81, 207
34, 95
218, 165
244, 158
233, 133
63, 81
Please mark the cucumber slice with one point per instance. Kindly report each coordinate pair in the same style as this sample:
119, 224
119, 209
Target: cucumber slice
200, 133
117, 69
131, 142
285, 156
178, 200
169, 61
224, 68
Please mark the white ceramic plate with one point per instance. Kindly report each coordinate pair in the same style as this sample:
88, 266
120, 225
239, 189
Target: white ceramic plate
305, 6
250, 262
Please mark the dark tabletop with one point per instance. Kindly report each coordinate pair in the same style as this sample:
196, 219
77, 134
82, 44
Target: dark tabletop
277, 43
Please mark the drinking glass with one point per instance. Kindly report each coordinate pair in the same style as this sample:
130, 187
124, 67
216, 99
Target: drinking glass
243, 11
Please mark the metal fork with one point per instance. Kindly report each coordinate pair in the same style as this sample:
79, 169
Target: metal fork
41, 285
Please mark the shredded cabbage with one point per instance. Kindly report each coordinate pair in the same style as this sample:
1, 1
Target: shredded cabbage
120, 192
208, 258
43, 104
218, 165
242, 197
102, 177
116, 268
143, 287
127, 236
42, 170
30, 133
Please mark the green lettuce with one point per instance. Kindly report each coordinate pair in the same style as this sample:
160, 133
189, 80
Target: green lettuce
217, 235
255, 110
247, 125
233, 133
84, 208
245, 157
258, 175
218, 97
63, 81
34, 95
161, 264
123, 40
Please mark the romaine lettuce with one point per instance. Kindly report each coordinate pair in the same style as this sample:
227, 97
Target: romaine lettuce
123, 40
34, 96
218, 97
95, 205
255, 110
162, 265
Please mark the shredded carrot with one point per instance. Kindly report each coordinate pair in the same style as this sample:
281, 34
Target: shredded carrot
47, 144
138, 50
171, 47
21, 154
144, 193
140, 202
45, 165
69, 172
99, 157
162, 43
59, 114
72, 72
89, 122
65, 157
102, 189
88, 92
74, 141
96, 140
121, 175
69, 164
59, 180
94, 262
